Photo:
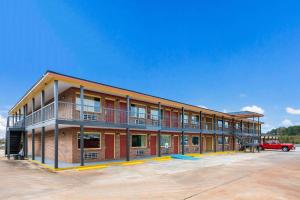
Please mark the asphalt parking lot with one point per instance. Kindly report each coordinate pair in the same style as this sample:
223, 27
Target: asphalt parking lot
265, 175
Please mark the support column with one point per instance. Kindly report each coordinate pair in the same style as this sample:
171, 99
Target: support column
24, 132
33, 133
33, 144
215, 134
43, 127
159, 131
182, 133
223, 138
241, 129
81, 126
26, 135
259, 133
233, 134
127, 130
56, 124
200, 125
8, 143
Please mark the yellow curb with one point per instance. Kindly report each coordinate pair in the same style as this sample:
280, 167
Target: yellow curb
91, 167
161, 158
127, 163
43, 165
133, 163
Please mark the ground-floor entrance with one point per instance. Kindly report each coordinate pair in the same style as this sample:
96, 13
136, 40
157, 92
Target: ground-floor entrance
109, 146
176, 144
153, 145
209, 143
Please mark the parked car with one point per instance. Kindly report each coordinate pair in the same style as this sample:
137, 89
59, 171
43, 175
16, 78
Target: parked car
277, 145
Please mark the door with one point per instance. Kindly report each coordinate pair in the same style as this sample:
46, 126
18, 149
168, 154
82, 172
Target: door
122, 146
153, 145
167, 118
209, 144
174, 119
109, 146
176, 142
109, 111
122, 113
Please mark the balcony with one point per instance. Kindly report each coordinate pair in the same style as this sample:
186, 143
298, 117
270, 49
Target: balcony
106, 117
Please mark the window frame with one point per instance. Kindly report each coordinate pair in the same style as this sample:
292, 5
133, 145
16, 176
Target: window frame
198, 140
226, 124
100, 140
195, 122
219, 123
91, 96
186, 120
137, 113
170, 144
156, 117
146, 142
226, 141
185, 136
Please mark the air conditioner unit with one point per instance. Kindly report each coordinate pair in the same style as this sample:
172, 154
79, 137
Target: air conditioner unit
90, 117
139, 152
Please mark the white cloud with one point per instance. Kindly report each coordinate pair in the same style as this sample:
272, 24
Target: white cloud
287, 123
202, 106
2, 126
225, 111
253, 108
266, 127
292, 111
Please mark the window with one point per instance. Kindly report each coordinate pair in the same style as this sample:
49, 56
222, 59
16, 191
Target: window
208, 124
154, 114
220, 123
195, 140
165, 140
195, 119
220, 140
226, 140
90, 104
139, 140
185, 140
237, 125
226, 124
90, 140
137, 112
185, 119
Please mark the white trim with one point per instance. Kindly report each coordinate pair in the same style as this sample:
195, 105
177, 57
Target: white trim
27, 93
140, 146
89, 132
170, 144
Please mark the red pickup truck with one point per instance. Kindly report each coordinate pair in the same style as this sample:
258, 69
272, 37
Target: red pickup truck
277, 145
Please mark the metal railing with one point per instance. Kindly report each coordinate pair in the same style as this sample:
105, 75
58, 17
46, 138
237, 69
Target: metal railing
15, 121
41, 115
71, 111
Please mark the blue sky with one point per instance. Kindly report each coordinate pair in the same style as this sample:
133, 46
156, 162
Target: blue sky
225, 55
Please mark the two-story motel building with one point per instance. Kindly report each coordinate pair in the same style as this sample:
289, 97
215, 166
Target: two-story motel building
68, 119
